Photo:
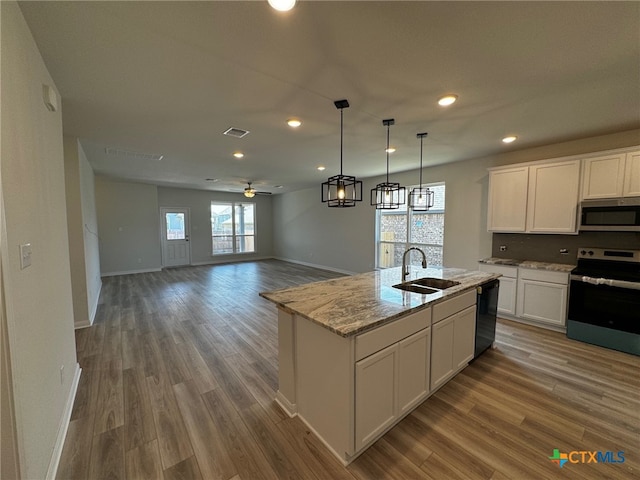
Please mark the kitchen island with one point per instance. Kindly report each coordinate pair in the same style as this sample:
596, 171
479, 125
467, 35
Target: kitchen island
357, 354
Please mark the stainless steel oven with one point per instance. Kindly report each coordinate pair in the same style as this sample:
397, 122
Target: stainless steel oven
604, 299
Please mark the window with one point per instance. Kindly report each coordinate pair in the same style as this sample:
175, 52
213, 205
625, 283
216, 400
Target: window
397, 230
233, 228
175, 226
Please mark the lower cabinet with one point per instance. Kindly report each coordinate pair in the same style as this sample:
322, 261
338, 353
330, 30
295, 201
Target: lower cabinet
390, 383
532, 295
508, 285
542, 296
452, 345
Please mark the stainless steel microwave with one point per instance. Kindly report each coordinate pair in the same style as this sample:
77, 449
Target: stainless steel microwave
613, 215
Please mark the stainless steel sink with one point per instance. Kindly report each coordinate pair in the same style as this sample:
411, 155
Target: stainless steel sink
427, 285
438, 283
412, 287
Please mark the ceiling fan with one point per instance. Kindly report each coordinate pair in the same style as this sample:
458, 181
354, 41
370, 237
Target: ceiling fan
250, 192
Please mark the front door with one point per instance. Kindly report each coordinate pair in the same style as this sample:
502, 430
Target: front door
176, 250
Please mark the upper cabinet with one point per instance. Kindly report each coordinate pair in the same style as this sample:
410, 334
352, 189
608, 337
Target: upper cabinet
543, 196
611, 176
539, 198
553, 197
507, 210
632, 175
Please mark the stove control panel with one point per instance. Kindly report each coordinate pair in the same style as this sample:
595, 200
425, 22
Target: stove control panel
609, 254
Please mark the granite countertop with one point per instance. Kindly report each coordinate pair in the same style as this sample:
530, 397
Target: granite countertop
354, 304
555, 267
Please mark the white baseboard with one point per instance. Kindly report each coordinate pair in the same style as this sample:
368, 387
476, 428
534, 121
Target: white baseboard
230, 260
289, 408
94, 308
315, 265
64, 426
130, 272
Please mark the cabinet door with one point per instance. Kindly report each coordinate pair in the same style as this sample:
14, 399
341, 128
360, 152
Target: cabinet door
414, 357
553, 197
464, 337
632, 175
441, 351
603, 177
542, 301
507, 210
507, 295
376, 394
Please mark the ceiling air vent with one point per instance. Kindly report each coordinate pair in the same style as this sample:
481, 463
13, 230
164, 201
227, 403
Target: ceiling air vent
134, 155
235, 132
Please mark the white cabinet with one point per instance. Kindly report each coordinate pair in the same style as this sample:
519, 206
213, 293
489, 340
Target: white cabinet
603, 177
441, 352
553, 197
464, 337
389, 383
414, 361
508, 286
611, 176
632, 175
507, 210
376, 394
534, 198
453, 337
542, 296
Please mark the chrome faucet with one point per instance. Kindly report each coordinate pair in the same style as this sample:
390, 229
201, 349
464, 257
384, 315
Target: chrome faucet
405, 267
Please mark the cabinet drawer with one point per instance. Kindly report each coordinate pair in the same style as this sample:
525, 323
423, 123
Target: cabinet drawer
449, 307
544, 276
371, 342
505, 271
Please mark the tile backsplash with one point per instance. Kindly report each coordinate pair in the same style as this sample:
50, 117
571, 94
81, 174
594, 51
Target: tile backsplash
546, 248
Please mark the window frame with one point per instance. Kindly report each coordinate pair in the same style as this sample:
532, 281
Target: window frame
234, 235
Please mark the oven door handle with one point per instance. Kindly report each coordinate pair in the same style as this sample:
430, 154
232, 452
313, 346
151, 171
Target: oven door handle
607, 281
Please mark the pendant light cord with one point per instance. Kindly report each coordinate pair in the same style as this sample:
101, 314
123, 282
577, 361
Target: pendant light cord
341, 133
387, 153
421, 139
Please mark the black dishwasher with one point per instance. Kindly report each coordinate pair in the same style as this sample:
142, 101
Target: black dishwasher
486, 312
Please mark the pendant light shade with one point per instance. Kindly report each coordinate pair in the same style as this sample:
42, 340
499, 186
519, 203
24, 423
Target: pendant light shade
341, 190
421, 199
387, 195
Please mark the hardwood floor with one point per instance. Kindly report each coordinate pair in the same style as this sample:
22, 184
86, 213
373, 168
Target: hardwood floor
180, 372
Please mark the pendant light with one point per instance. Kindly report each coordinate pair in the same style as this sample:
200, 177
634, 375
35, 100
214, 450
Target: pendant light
341, 190
421, 199
387, 195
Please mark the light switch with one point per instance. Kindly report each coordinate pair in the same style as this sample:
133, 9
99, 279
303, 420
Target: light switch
25, 256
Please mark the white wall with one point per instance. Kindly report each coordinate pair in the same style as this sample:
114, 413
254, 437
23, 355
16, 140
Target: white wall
84, 251
199, 204
307, 231
128, 226
39, 310
90, 233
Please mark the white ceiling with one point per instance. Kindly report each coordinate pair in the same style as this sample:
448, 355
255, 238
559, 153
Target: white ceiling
169, 77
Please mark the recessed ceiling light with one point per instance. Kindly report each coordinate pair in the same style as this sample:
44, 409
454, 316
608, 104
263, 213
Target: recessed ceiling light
282, 5
294, 122
390, 149
447, 100
321, 167
509, 139
238, 154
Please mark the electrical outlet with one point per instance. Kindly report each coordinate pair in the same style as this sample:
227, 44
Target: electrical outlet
25, 255
61, 374
503, 248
